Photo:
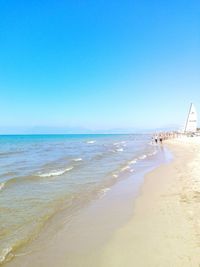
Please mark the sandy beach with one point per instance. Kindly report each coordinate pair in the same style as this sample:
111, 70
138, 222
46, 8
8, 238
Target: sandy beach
165, 228
100, 133
161, 227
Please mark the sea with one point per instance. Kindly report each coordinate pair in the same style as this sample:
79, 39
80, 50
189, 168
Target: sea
42, 175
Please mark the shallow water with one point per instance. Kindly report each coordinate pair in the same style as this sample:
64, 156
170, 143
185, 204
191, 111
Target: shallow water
41, 175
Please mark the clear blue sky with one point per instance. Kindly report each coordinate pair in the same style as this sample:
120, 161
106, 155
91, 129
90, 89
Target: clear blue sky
98, 64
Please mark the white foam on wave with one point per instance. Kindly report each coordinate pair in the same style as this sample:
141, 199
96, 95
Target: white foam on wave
153, 153
104, 191
125, 168
133, 161
4, 254
120, 150
91, 142
131, 170
123, 142
116, 144
2, 185
78, 159
120, 143
143, 157
115, 175
55, 172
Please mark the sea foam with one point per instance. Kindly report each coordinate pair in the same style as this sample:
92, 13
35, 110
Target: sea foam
91, 142
120, 149
55, 172
133, 161
143, 157
2, 185
104, 191
78, 159
153, 153
4, 254
125, 168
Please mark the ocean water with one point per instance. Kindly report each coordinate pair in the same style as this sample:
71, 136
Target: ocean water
41, 175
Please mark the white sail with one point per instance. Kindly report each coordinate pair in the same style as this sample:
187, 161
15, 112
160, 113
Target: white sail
191, 123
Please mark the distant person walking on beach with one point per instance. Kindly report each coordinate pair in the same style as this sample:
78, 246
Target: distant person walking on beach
156, 139
160, 139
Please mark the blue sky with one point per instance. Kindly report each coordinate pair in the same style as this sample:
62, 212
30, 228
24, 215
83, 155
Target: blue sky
98, 64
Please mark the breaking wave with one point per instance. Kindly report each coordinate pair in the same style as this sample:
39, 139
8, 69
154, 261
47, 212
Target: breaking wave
91, 142
78, 159
2, 185
143, 157
119, 149
55, 172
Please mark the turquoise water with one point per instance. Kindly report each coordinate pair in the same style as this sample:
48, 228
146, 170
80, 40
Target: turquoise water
43, 174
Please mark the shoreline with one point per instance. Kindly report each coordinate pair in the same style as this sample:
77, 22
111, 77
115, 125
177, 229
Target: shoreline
165, 227
158, 224
84, 237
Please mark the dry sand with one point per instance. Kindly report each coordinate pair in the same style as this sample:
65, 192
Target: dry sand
165, 228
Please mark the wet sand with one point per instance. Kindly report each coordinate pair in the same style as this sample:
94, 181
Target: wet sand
160, 228
165, 228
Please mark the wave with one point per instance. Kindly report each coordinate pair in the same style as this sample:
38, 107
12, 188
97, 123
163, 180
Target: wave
119, 143
119, 149
2, 185
103, 154
116, 144
91, 142
125, 168
8, 174
11, 181
153, 153
133, 161
143, 157
103, 192
24, 179
4, 253
55, 172
78, 159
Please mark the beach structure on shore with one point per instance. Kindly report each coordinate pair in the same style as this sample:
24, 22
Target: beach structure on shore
191, 122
